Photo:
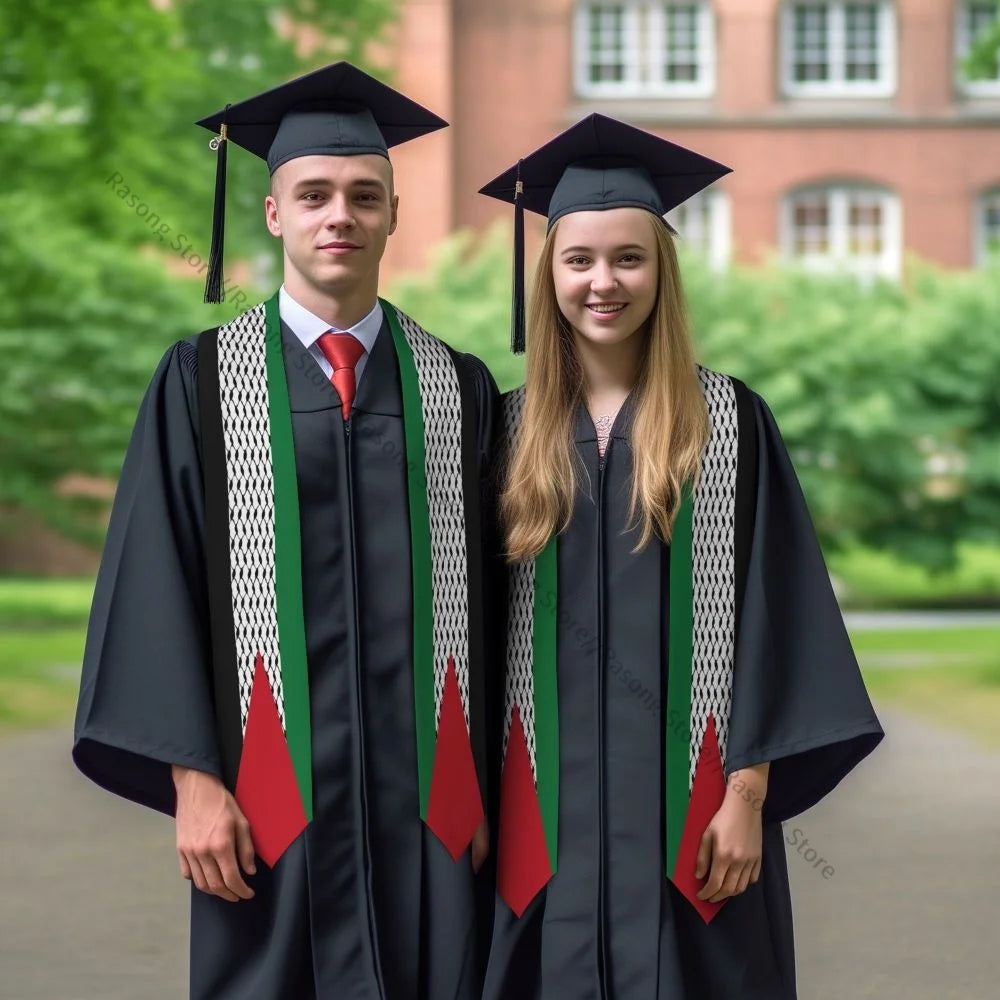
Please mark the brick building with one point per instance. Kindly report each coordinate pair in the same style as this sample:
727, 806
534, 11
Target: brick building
854, 134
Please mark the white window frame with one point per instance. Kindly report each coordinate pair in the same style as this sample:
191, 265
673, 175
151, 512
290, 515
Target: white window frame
838, 85
718, 240
963, 43
981, 252
888, 264
607, 88
645, 51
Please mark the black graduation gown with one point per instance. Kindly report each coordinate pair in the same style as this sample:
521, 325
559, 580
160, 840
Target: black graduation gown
609, 925
366, 904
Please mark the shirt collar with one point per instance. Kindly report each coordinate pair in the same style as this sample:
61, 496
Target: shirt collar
308, 327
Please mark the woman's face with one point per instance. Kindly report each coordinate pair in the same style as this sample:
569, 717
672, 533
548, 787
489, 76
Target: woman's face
605, 270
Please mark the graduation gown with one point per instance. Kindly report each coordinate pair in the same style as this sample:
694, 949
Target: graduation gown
366, 904
609, 925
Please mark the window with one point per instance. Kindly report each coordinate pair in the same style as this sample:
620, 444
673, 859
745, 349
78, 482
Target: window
987, 227
975, 19
608, 62
703, 226
838, 48
644, 48
846, 227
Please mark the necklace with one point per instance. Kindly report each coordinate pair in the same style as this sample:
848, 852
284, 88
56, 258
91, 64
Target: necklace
603, 427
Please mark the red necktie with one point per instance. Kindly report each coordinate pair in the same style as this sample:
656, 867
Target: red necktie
343, 351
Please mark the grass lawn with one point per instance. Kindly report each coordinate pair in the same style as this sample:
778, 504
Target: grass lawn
39, 676
873, 579
26, 603
949, 676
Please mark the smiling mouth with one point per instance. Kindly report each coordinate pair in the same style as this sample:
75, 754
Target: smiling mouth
606, 308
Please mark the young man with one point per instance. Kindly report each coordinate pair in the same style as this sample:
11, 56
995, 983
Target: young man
286, 643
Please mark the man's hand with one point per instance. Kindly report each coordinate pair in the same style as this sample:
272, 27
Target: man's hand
212, 834
480, 845
731, 846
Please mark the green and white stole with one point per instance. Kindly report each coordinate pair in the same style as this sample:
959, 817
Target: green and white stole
253, 553
703, 610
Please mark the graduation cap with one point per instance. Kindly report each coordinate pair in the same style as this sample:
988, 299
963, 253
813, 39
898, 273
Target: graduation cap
600, 163
335, 111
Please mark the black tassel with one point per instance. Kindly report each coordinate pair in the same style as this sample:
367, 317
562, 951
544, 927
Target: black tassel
214, 280
517, 305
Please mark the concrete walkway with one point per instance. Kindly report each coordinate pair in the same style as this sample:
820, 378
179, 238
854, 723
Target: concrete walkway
912, 910
873, 621
92, 907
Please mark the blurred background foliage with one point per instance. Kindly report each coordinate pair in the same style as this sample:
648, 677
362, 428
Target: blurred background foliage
888, 395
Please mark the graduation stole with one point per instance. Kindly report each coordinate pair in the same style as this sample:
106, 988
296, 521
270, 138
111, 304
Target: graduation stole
253, 555
705, 593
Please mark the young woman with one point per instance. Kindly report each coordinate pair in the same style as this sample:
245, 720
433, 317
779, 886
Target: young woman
679, 680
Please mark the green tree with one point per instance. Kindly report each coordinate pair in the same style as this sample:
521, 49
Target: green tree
76, 359
105, 213
113, 86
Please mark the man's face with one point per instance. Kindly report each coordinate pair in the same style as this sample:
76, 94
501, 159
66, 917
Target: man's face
333, 215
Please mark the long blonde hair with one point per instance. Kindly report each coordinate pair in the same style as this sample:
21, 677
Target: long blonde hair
669, 429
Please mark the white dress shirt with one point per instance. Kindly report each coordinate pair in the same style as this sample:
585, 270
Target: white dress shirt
308, 327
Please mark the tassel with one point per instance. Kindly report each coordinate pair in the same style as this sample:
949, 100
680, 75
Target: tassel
214, 280
517, 305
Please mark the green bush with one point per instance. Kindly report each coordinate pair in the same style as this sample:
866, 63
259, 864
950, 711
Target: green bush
888, 397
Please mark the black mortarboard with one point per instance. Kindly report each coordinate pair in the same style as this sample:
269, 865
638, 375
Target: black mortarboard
599, 163
335, 111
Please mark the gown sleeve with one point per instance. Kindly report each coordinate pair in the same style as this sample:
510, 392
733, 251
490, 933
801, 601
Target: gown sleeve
145, 694
799, 701
487, 403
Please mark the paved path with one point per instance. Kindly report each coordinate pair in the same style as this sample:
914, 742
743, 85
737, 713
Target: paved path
91, 907
91, 904
912, 911
867, 621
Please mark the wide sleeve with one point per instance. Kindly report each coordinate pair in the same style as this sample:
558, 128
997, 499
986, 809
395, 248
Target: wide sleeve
799, 701
145, 694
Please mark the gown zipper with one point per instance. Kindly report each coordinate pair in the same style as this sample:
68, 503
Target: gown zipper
372, 930
602, 945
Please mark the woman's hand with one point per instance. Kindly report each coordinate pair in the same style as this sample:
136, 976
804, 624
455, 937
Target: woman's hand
731, 846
